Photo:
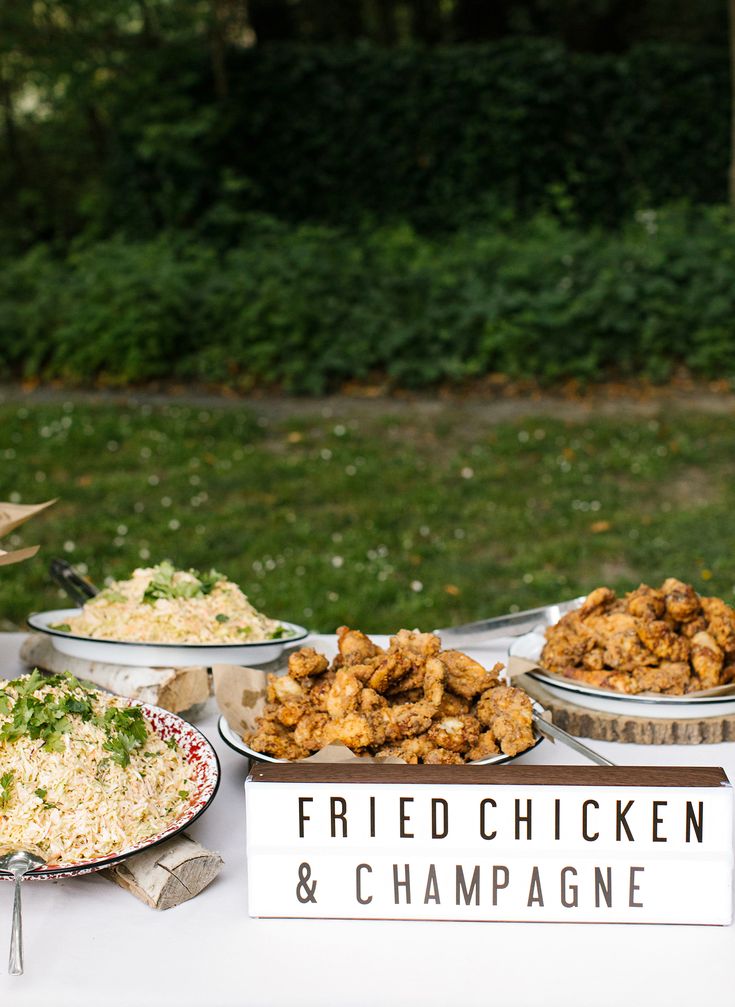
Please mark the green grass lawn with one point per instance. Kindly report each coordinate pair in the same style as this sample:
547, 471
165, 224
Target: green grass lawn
379, 523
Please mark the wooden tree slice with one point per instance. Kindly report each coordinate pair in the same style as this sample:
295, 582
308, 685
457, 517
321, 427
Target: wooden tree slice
584, 723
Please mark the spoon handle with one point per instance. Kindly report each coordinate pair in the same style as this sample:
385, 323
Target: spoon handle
15, 961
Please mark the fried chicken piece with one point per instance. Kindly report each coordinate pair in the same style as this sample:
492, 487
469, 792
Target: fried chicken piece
362, 671
435, 676
622, 649
317, 695
485, 748
272, 739
720, 622
594, 659
411, 750
602, 626
670, 677
597, 601
404, 695
707, 659
423, 645
456, 734
309, 732
406, 719
567, 642
663, 641
619, 681
646, 603
388, 669
353, 730
682, 601
283, 689
343, 695
452, 705
509, 715
306, 663
466, 677
370, 700
443, 757
727, 674
696, 625
354, 647
413, 680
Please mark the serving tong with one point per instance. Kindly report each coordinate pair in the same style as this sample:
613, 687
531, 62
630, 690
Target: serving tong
80, 589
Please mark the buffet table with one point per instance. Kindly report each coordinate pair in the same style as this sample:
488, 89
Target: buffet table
89, 943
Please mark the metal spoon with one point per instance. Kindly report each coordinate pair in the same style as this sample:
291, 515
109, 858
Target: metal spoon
18, 863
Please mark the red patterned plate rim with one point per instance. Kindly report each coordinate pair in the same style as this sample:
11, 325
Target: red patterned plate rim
198, 750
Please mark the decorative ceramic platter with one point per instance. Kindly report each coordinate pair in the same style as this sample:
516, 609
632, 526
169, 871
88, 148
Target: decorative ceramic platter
235, 742
198, 752
159, 655
527, 649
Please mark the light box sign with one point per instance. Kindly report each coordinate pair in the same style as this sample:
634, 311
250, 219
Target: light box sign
528, 843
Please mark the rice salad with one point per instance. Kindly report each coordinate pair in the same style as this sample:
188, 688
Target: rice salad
82, 774
161, 604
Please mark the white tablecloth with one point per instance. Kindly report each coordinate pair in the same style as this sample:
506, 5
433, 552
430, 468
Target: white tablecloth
89, 943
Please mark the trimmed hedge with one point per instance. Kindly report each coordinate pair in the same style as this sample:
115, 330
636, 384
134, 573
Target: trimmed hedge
310, 307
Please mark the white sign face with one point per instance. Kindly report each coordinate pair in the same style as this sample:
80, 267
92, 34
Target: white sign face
478, 851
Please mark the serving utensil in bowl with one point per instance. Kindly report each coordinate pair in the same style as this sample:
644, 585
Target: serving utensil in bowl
19, 863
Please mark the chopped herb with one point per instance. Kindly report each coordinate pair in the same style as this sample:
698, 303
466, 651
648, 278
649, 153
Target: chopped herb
41, 795
126, 730
4, 704
6, 783
221, 617
62, 627
280, 632
183, 794
172, 743
245, 630
166, 584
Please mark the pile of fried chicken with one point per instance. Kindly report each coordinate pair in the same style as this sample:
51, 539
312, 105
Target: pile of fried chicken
413, 700
667, 639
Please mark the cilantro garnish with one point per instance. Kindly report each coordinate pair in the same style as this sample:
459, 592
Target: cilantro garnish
50, 716
221, 617
62, 627
41, 795
164, 584
6, 784
127, 731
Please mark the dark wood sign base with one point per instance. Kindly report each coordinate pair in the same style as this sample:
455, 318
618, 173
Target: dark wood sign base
583, 723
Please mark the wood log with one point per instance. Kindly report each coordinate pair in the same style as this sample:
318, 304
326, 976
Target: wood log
174, 689
169, 874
